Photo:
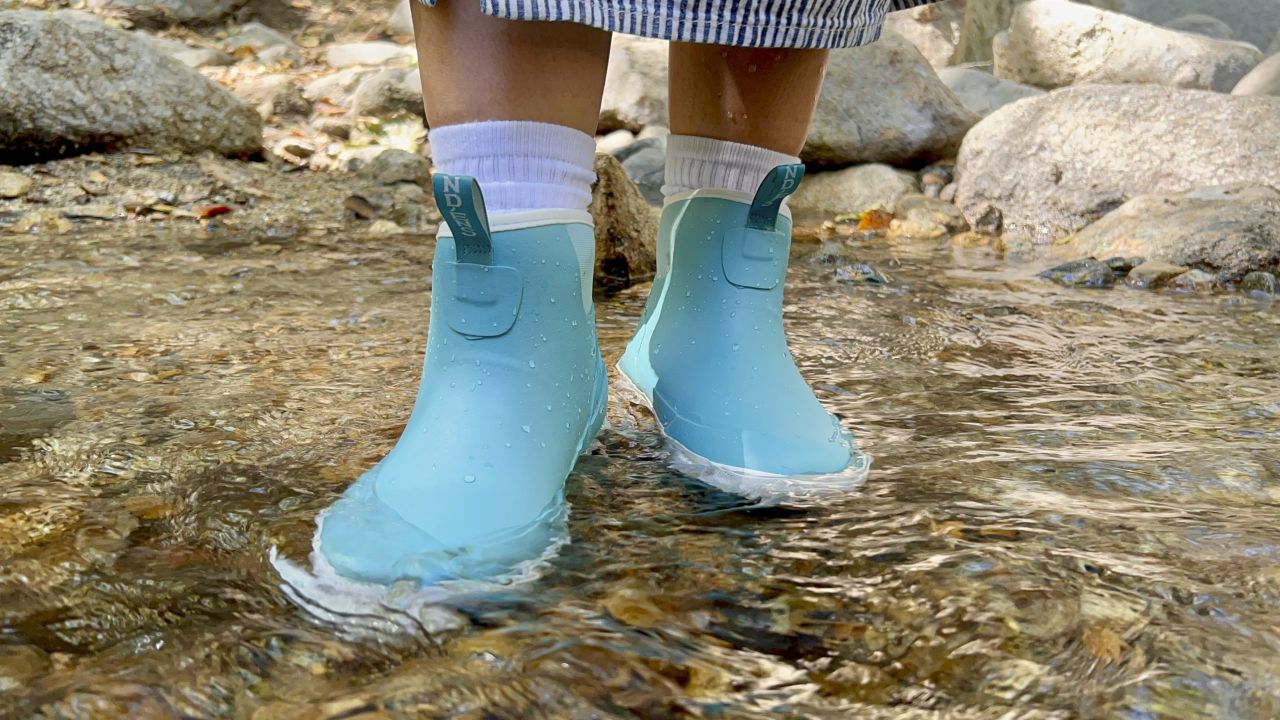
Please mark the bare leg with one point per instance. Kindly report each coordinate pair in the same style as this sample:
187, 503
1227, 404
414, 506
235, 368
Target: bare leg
475, 67
761, 97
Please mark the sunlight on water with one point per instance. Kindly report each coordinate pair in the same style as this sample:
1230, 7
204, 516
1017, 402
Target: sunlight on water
1072, 512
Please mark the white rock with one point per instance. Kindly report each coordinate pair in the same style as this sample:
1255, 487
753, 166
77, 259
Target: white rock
933, 29
614, 141
337, 88
635, 87
400, 22
851, 190
1262, 80
256, 37
344, 55
14, 185
1054, 43
1048, 166
884, 103
982, 92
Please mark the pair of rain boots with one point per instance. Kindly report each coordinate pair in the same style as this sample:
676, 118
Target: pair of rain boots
514, 387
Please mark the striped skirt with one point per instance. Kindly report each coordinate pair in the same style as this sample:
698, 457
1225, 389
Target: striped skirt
742, 23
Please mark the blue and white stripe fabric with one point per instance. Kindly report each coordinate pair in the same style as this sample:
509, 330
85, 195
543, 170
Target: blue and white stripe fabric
742, 23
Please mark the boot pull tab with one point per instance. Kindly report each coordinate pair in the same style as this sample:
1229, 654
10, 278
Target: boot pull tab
777, 185
462, 205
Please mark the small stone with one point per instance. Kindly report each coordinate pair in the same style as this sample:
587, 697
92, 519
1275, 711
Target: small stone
396, 166
1193, 281
860, 273
915, 229
256, 37
1259, 284
1087, 273
203, 57
337, 127
14, 185
1152, 274
922, 208
41, 221
384, 227
1122, 265
92, 212
389, 92
342, 55
615, 141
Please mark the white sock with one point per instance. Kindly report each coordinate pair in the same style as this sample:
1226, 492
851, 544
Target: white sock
696, 163
521, 165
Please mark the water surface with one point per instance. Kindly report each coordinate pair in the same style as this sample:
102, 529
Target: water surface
1074, 509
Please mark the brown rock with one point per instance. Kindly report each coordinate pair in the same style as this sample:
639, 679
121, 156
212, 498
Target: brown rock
626, 228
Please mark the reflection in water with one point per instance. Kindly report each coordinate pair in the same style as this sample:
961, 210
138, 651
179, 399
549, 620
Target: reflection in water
1073, 510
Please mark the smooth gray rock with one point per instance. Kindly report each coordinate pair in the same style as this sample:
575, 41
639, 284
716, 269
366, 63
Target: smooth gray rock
396, 166
1087, 273
1232, 229
1262, 80
983, 92
646, 162
1202, 25
1259, 284
933, 29
389, 92
1055, 43
184, 11
70, 83
635, 87
923, 209
1254, 21
1152, 274
342, 55
884, 103
851, 190
1194, 281
1048, 166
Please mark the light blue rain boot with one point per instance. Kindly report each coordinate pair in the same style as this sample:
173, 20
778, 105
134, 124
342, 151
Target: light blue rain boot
513, 390
710, 355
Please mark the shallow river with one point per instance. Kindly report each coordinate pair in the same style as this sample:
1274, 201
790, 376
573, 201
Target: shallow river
1074, 509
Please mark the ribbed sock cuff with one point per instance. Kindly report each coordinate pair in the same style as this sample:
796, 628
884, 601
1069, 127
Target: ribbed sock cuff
697, 163
520, 165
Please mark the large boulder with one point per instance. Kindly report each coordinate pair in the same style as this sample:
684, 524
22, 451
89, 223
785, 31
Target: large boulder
983, 92
1054, 43
626, 228
934, 30
1231, 230
1050, 165
635, 86
1262, 80
884, 103
69, 83
851, 190
1254, 21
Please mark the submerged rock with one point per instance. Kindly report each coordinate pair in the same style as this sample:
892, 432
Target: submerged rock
1232, 230
851, 190
1055, 43
1051, 165
14, 185
884, 103
860, 273
69, 83
1087, 273
626, 228
27, 414
1193, 281
1259, 284
1153, 274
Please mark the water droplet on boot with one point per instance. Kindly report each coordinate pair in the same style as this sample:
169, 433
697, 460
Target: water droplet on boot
469, 479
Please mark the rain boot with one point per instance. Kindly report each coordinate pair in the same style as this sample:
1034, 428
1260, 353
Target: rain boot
710, 356
512, 392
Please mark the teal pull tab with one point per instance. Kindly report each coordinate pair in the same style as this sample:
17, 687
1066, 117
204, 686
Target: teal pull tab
778, 184
462, 205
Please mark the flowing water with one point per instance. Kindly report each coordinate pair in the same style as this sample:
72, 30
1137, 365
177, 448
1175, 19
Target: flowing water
1074, 509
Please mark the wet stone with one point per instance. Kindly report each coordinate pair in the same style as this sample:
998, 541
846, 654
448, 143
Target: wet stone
1152, 274
1259, 283
1088, 273
27, 414
14, 185
1122, 265
860, 273
1193, 281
